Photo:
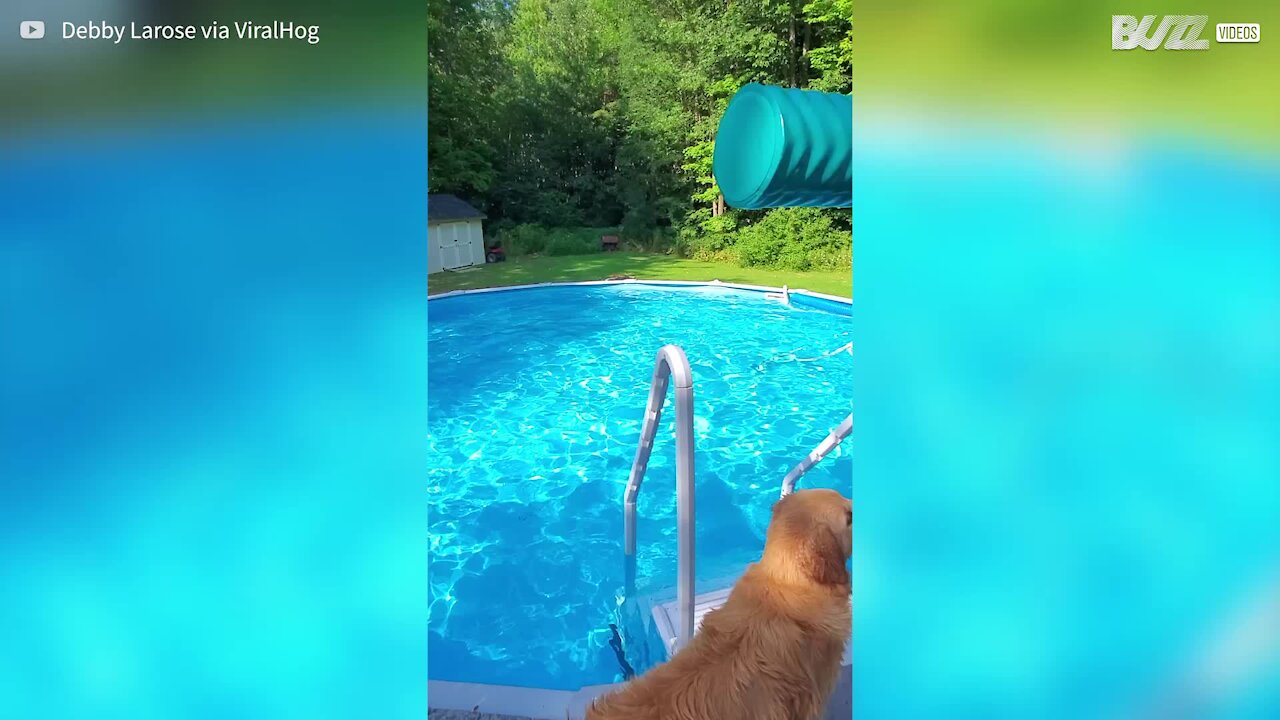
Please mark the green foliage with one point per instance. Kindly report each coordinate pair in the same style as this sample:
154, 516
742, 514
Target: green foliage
534, 239
710, 238
656, 240
464, 69
795, 239
553, 115
524, 239
832, 57
573, 241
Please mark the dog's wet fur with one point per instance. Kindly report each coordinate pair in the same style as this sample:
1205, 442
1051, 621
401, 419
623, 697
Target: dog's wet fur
773, 650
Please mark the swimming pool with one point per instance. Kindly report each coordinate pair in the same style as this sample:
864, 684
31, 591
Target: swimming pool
535, 402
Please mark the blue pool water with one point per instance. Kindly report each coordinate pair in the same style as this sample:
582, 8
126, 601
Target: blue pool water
1067, 396
536, 398
211, 416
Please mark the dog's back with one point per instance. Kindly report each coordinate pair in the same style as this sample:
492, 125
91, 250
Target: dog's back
772, 652
753, 659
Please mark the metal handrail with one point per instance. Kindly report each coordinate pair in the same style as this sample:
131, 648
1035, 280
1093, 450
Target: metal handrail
829, 443
671, 361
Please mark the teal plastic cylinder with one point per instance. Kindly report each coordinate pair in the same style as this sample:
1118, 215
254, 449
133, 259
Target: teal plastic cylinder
783, 147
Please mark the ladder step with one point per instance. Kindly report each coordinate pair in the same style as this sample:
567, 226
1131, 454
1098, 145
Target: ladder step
666, 618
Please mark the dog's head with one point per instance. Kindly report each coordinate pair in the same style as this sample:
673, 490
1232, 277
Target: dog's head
811, 534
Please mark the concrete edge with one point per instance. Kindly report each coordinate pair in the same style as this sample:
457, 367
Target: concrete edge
500, 701
507, 700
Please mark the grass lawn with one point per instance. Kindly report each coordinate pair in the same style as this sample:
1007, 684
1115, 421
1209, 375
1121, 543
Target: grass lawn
522, 271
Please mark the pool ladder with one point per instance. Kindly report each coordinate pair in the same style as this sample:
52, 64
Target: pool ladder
671, 363
829, 443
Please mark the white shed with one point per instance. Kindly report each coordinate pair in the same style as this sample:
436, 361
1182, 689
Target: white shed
455, 234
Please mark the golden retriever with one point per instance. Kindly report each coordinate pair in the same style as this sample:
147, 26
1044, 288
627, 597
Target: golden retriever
772, 651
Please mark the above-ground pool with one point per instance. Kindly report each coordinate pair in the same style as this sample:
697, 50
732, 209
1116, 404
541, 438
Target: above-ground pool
536, 397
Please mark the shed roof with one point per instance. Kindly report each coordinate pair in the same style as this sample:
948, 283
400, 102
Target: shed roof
441, 207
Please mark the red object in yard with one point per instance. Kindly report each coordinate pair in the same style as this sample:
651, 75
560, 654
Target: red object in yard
495, 254
608, 242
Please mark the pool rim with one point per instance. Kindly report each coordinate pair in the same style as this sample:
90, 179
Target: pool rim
635, 281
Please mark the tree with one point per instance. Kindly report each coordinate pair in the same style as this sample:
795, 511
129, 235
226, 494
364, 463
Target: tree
463, 72
603, 112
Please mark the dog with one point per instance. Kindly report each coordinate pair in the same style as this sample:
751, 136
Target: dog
773, 650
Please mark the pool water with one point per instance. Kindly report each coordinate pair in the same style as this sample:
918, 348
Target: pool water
211, 395
535, 402
1066, 400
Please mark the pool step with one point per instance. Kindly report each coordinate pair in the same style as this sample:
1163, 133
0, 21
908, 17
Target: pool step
666, 616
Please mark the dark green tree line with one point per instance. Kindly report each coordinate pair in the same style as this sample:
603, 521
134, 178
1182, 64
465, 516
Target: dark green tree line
602, 113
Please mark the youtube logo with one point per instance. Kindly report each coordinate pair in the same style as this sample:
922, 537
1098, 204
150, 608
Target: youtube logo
31, 29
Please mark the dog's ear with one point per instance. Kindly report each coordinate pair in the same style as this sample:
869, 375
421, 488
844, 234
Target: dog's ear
823, 556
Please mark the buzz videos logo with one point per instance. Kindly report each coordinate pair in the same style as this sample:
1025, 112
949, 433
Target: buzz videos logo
1176, 32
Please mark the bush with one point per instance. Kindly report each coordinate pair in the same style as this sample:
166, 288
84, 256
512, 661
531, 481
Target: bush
794, 239
709, 238
534, 239
526, 239
574, 241
653, 240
